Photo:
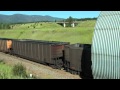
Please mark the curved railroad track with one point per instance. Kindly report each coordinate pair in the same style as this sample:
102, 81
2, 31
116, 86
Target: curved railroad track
38, 70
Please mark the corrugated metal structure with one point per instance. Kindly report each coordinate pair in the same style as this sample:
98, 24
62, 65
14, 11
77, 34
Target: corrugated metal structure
106, 46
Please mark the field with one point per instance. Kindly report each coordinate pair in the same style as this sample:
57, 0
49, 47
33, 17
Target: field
51, 31
7, 73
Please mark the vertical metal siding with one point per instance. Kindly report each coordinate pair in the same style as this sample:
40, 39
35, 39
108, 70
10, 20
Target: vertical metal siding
73, 54
106, 46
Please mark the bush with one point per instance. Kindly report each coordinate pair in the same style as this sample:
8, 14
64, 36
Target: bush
3, 76
1, 61
19, 70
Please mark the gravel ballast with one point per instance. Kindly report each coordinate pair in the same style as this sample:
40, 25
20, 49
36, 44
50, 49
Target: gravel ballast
38, 70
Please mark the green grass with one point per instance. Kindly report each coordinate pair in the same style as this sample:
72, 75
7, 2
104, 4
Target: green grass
6, 72
51, 31
19, 70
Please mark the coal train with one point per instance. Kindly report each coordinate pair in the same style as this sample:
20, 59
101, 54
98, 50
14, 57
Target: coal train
99, 60
74, 58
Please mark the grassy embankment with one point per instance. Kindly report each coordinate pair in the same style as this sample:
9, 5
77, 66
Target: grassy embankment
82, 33
17, 71
51, 31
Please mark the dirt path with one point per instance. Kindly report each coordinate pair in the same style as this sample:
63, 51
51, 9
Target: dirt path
38, 70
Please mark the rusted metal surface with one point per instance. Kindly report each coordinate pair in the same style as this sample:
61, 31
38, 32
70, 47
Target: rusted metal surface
78, 58
73, 55
39, 51
5, 44
9, 44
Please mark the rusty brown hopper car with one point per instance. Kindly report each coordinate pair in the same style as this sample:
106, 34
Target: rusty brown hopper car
40, 51
78, 59
5, 44
73, 56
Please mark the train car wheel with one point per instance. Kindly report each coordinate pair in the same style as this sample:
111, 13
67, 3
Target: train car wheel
59, 63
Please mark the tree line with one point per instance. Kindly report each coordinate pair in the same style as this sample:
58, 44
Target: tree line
70, 20
5, 26
85, 19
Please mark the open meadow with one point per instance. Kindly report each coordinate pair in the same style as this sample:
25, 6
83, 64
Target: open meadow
82, 33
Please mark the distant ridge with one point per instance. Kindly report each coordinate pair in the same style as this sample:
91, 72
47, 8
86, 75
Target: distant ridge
17, 18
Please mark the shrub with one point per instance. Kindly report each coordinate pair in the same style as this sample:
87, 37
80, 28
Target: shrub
19, 70
3, 76
1, 61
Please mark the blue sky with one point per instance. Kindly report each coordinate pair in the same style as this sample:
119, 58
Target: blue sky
60, 14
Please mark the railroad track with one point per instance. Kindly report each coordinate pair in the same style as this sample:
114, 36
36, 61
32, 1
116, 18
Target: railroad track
38, 70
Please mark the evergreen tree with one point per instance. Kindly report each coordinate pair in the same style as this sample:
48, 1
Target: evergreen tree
69, 20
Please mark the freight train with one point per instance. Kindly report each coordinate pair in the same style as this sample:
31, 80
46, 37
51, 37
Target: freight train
99, 60
74, 58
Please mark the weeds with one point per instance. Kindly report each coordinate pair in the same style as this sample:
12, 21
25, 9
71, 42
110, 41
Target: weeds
19, 70
3, 76
2, 62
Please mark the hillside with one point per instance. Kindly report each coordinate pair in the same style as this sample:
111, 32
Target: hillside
17, 18
51, 31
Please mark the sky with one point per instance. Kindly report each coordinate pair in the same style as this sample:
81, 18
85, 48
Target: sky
60, 14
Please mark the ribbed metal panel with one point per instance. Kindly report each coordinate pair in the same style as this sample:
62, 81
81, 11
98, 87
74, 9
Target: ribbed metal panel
106, 46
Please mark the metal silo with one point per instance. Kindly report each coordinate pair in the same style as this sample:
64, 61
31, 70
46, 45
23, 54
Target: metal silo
106, 46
